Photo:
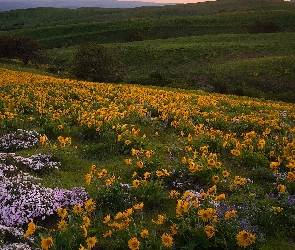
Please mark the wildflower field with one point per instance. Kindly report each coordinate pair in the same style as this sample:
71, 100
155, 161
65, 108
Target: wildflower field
108, 166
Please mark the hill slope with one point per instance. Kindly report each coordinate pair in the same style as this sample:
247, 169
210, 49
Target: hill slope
205, 45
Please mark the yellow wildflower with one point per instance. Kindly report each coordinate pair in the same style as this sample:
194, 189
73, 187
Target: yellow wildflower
85, 232
86, 221
281, 188
167, 240
138, 206
88, 178
46, 243
144, 233
106, 219
134, 243
136, 183
174, 229
215, 178
62, 212
139, 164
160, 220
210, 231
78, 209
91, 241
108, 233
230, 214
31, 229
147, 175
89, 205
62, 225
245, 239
225, 173
128, 161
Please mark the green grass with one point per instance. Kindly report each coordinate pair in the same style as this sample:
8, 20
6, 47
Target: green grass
104, 150
41, 17
196, 46
125, 30
261, 62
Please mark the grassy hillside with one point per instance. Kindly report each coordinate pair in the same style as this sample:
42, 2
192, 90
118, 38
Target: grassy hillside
159, 167
126, 30
52, 16
207, 46
258, 65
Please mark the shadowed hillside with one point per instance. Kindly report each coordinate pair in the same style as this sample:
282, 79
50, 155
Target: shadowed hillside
227, 46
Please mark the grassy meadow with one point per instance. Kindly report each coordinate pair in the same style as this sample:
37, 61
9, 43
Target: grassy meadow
193, 148
159, 168
208, 46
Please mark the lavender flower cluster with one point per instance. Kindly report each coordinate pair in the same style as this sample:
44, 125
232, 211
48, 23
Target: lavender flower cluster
20, 139
16, 246
34, 162
17, 234
23, 200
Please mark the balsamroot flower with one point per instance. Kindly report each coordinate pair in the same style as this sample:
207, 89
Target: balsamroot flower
144, 233
138, 206
210, 231
281, 188
62, 212
160, 220
46, 243
31, 229
167, 240
62, 225
89, 205
91, 241
106, 219
134, 243
174, 229
245, 238
136, 183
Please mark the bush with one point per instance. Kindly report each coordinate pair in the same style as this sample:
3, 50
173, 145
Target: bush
264, 27
22, 48
96, 63
135, 35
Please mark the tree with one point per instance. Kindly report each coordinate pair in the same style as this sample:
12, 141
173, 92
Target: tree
95, 62
23, 48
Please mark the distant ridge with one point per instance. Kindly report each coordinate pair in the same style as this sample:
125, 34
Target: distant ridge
17, 4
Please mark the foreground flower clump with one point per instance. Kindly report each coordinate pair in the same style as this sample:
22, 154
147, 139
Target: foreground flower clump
196, 170
22, 198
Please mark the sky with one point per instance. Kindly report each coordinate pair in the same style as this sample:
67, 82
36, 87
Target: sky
171, 1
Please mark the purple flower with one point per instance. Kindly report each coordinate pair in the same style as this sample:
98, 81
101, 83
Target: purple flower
78, 196
291, 200
255, 230
166, 121
222, 208
171, 158
244, 224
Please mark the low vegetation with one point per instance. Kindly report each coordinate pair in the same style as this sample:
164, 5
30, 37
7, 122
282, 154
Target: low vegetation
208, 46
130, 167
90, 159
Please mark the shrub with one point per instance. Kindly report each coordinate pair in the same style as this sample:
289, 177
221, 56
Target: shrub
135, 35
95, 62
24, 48
264, 27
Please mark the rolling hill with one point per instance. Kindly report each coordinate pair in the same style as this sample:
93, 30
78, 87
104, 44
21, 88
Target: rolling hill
224, 46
